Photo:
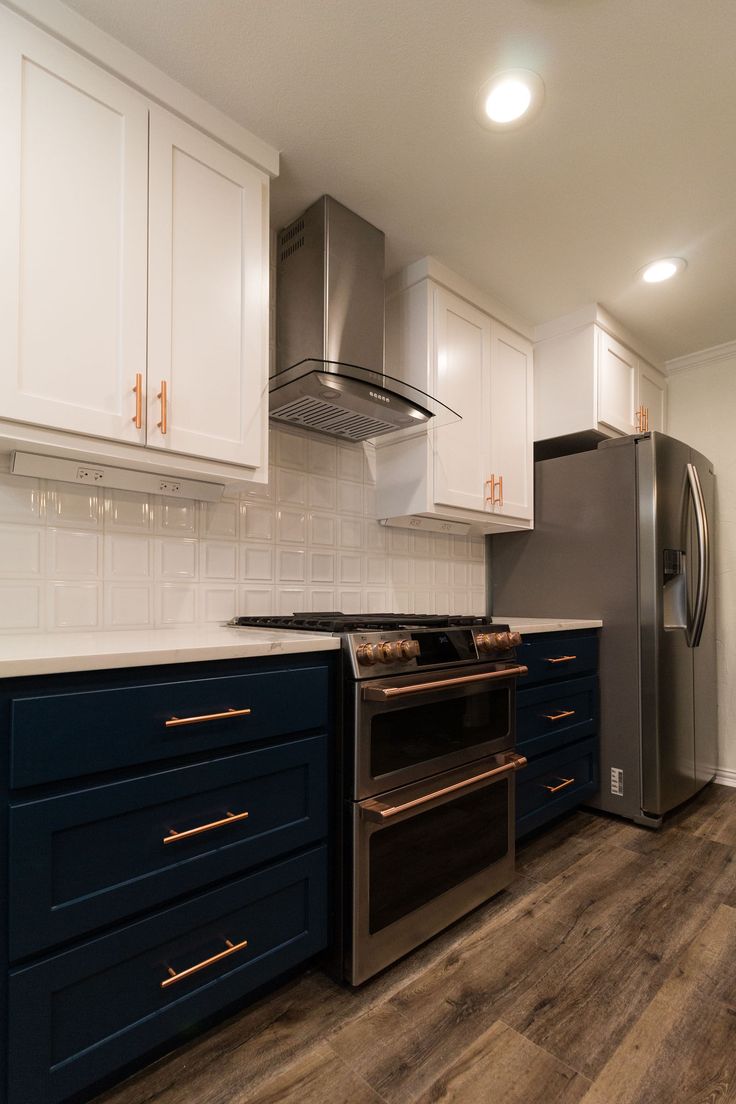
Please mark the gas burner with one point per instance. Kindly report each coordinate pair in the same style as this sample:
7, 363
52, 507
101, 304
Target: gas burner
336, 622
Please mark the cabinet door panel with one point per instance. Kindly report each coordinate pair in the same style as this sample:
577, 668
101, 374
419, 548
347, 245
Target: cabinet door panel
462, 366
73, 238
652, 396
208, 297
512, 454
617, 376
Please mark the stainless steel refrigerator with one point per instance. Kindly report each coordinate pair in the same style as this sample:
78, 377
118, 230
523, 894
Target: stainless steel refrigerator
625, 533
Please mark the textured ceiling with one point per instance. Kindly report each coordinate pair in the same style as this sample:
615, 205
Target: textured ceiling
633, 156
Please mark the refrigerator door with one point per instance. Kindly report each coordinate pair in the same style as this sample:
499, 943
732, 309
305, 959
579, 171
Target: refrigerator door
667, 698
705, 704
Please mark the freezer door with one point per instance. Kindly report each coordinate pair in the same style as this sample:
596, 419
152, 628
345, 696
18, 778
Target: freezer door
667, 700
705, 703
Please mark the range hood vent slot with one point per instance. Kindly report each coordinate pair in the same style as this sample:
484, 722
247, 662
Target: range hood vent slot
291, 239
329, 418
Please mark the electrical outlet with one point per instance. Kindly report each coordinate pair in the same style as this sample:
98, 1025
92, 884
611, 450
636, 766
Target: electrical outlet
169, 487
90, 475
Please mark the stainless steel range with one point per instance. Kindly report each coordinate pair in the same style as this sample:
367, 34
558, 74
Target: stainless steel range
427, 763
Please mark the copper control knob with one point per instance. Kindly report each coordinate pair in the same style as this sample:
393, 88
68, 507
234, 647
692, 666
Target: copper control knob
483, 642
515, 639
409, 649
366, 655
389, 651
501, 641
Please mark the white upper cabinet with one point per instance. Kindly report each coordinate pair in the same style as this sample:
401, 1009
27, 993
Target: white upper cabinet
207, 297
73, 239
589, 378
477, 471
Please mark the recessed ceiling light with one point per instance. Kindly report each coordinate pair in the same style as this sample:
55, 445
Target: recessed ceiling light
665, 269
509, 99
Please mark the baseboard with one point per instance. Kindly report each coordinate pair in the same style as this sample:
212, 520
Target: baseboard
725, 777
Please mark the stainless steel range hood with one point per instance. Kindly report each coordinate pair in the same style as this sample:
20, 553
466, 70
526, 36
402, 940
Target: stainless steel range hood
330, 305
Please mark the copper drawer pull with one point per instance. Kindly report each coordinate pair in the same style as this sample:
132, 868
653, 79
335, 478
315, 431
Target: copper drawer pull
559, 716
565, 782
560, 659
173, 977
174, 722
231, 818
138, 392
383, 693
378, 811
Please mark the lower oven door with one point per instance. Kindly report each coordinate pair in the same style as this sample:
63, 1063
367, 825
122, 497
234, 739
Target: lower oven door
411, 726
425, 855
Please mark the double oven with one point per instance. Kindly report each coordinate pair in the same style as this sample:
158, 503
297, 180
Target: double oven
428, 800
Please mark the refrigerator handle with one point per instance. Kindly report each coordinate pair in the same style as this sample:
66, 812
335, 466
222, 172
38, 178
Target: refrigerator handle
695, 629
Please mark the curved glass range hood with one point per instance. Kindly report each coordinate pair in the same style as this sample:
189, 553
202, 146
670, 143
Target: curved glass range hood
345, 400
331, 303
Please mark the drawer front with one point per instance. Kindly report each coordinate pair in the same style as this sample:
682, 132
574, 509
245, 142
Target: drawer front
79, 1016
56, 736
558, 656
555, 783
550, 716
91, 858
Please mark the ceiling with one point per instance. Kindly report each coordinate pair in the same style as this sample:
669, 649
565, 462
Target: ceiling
632, 157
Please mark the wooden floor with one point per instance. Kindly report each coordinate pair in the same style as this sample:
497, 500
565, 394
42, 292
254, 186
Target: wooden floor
606, 975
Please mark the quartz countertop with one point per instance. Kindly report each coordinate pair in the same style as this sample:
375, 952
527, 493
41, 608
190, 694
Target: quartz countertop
527, 626
55, 653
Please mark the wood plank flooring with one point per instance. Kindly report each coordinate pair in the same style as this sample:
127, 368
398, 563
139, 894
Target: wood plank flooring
605, 975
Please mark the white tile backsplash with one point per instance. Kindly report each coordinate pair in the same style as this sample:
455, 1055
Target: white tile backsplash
72, 558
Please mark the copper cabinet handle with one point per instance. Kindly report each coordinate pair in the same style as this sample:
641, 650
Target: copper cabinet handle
646, 419
559, 716
637, 420
499, 501
174, 722
560, 659
231, 818
230, 949
563, 784
492, 496
383, 693
138, 392
380, 812
163, 396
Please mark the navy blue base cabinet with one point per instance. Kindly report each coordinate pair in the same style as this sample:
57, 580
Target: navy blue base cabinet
557, 726
166, 855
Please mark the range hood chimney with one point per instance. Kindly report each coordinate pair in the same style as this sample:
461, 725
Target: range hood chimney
329, 320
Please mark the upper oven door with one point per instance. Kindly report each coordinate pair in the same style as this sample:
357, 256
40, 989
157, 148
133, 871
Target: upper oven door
414, 726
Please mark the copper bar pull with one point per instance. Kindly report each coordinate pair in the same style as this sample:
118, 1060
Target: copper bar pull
231, 818
499, 501
492, 496
560, 659
559, 716
563, 785
175, 722
138, 392
230, 948
163, 396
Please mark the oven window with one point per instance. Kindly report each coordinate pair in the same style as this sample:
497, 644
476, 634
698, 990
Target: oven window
406, 737
418, 859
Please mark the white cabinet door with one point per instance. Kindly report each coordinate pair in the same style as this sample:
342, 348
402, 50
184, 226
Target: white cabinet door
462, 371
208, 297
617, 379
73, 238
512, 420
652, 396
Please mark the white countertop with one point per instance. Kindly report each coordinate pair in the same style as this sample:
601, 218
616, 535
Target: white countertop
54, 653
527, 626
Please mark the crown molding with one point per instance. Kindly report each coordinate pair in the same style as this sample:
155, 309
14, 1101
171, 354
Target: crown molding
701, 358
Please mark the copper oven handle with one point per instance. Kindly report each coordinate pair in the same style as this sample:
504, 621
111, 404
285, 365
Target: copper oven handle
174, 722
563, 784
231, 818
559, 716
560, 659
230, 948
376, 810
374, 693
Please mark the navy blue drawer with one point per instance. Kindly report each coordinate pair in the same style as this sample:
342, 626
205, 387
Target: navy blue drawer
81, 1015
91, 858
57, 736
555, 783
550, 716
558, 656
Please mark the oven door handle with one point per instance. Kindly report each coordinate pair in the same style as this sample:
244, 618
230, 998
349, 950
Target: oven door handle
380, 812
384, 693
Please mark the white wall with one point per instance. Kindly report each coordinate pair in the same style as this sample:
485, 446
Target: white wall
76, 558
702, 412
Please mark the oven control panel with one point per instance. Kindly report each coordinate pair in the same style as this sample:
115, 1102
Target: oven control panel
375, 654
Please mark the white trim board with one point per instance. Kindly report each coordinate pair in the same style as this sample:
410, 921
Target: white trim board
726, 777
701, 358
